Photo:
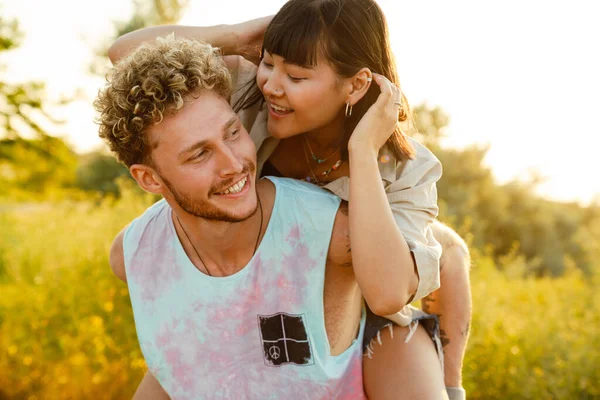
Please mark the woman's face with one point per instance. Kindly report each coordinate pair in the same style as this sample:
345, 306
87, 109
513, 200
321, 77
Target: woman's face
300, 99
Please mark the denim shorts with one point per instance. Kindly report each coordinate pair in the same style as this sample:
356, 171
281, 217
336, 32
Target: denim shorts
376, 323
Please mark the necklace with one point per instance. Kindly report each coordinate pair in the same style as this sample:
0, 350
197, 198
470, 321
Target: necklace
198, 254
325, 173
314, 157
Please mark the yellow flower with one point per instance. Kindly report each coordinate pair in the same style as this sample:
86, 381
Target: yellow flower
78, 359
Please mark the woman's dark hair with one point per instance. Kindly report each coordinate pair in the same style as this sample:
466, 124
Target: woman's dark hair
350, 35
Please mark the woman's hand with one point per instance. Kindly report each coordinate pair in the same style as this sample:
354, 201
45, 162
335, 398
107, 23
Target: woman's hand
380, 120
250, 36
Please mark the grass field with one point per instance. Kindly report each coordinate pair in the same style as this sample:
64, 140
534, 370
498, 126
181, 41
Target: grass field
66, 328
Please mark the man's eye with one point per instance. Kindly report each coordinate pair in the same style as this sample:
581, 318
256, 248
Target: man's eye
201, 154
235, 133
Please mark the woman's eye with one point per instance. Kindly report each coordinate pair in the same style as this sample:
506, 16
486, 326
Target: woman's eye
266, 64
295, 79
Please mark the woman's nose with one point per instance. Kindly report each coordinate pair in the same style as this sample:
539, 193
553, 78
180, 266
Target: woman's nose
272, 86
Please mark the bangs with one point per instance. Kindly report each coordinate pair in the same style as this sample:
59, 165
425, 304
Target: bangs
297, 37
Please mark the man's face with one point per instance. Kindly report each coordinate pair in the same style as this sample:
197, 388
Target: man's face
206, 160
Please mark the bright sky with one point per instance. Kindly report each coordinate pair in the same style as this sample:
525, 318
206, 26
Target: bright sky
519, 75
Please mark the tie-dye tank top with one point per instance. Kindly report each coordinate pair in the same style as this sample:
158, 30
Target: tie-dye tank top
257, 334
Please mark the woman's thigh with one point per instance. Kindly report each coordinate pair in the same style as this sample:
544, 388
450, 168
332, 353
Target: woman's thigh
399, 370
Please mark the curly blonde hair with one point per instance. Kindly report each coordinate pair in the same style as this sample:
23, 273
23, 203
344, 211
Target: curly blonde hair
154, 81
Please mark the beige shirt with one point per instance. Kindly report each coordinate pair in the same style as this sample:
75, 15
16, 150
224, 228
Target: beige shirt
410, 186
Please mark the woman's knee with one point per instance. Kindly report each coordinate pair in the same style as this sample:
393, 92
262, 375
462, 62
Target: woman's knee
455, 252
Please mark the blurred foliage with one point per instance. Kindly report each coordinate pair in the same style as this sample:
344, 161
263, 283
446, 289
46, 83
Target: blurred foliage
66, 328
21, 108
532, 338
35, 166
145, 13
548, 234
30, 160
99, 172
153, 12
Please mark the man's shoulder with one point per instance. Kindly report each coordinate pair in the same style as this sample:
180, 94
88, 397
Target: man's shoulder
151, 213
138, 225
116, 256
339, 247
301, 187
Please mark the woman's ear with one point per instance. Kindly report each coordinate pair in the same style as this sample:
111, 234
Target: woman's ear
360, 84
146, 178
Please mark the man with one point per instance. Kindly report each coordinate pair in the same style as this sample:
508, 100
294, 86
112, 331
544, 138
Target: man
239, 287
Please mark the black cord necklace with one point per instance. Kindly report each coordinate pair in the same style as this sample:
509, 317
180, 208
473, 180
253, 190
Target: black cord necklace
198, 254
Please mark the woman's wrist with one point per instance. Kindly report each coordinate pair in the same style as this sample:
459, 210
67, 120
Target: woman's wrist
228, 39
246, 37
361, 150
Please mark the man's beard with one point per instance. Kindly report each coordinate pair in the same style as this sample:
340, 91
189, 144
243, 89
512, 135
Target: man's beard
202, 208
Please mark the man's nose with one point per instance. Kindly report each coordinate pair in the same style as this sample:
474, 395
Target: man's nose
231, 164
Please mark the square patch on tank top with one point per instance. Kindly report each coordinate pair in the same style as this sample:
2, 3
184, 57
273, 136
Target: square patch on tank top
285, 339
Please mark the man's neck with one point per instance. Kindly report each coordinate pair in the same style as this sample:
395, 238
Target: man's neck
220, 248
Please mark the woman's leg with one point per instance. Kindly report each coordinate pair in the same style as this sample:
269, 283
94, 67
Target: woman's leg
452, 302
399, 370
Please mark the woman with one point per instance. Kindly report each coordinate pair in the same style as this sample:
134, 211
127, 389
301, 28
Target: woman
315, 114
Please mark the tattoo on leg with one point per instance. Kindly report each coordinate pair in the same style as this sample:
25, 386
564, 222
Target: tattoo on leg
344, 209
465, 332
426, 302
349, 245
444, 338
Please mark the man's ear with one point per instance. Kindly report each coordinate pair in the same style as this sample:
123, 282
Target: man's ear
147, 178
360, 84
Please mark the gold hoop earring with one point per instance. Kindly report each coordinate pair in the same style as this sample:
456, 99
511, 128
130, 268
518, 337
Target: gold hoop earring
348, 110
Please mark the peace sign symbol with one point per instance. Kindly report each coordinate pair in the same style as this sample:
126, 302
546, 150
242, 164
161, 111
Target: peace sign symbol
274, 352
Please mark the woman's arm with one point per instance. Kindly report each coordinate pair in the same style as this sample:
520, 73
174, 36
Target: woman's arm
383, 262
243, 39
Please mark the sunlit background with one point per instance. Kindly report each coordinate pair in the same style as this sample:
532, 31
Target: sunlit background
506, 94
521, 76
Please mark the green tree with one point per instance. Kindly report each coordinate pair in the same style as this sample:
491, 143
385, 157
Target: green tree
508, 218
145, 13
30, 159
98, 171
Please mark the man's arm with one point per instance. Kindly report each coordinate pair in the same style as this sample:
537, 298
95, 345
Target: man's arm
150, 389
116, 258
340, 251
